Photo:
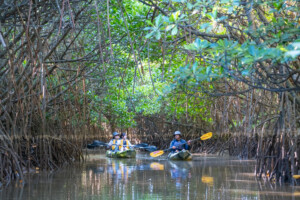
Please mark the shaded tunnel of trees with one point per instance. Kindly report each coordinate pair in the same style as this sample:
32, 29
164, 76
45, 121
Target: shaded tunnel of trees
72, 71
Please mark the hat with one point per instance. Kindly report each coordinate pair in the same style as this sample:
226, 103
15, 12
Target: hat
177, 133
115, 134
123, 134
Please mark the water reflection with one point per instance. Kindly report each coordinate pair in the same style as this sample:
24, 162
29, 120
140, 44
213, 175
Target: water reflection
119, 170
207, 180
151, 166
105, 178
95, 169
180, 172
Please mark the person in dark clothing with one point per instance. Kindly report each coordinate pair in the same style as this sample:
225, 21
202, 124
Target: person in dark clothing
179, 144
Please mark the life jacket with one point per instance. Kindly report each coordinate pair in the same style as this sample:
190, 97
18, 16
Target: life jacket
124, 144
181, 144
113, 147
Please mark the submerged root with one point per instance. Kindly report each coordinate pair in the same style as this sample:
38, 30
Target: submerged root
19, 156
277, 156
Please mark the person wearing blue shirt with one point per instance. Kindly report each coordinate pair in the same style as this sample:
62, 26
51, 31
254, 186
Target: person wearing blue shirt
179, 144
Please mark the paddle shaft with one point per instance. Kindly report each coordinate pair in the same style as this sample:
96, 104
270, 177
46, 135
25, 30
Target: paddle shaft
169, 149
199, 138
160, 152
183, 144
149, 148
106, 144
134, 146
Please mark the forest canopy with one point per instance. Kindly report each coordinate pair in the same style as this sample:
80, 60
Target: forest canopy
82, 69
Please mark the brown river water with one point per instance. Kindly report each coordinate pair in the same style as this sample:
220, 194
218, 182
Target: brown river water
206, 177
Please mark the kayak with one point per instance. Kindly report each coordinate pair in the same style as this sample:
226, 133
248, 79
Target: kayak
131, 153
181, 155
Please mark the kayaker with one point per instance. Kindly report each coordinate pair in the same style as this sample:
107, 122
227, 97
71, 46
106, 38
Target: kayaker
125, 142
115, 143
179, 144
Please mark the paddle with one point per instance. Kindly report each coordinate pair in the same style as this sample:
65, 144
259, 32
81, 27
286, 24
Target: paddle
296, 176
149, 148
96, 143
142, 145
145, 146
161, 152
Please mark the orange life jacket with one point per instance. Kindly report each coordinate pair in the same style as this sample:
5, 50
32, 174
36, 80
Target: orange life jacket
113, 147
126, 146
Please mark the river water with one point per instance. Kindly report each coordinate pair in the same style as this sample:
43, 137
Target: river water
206, 177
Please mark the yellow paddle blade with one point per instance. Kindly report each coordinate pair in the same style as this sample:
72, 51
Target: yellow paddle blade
156, 153
296, 176
206, 136
157, 166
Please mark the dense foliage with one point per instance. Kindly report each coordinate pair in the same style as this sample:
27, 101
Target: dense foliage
70, 67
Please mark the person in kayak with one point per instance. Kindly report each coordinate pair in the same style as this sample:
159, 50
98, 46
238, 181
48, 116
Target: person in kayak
125, 143
115, 143
179, 144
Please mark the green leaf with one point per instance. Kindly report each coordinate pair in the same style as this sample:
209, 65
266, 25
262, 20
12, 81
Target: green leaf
293, 54
149, 34
158, 20
278, 5
245, 72
159, 92
208, 70
201, 44
147, 28
205, 26
175, 15
195, 65
158, 35
236, 2
296, 45
252, 51
215, 13
169, 27
209, 16
175, 30
190, 47
222, 18
149, 22
274, 20
165, 19
190, 6
247, 60
204, 11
